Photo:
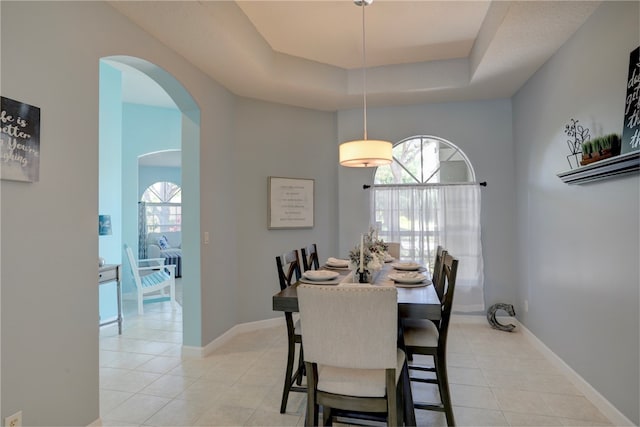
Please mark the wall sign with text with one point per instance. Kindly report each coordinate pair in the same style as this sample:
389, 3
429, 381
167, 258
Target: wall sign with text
19, 141
631, 129
290, 203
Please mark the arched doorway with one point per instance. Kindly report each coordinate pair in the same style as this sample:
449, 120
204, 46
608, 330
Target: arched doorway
116, 162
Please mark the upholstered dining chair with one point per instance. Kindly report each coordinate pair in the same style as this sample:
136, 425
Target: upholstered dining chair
310, 257
152, 278
426, 338
393, 249
352, 359
288, 266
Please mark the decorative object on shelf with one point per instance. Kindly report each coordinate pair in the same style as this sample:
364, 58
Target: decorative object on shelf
631, 128
365, 153
578, 134
613, 167
19, 141
104, 225
600, 148
491, 316
104, 229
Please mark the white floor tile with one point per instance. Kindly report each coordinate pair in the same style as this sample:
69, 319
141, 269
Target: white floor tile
496, 379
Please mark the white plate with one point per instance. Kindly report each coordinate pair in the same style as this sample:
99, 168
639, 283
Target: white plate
411, 285
335, 281
320, 275
412, 277
406, 266
339, 263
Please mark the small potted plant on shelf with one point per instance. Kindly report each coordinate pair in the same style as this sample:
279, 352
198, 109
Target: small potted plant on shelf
600, 148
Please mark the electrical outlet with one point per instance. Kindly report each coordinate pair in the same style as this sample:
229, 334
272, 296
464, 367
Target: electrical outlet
526, 306
14, 420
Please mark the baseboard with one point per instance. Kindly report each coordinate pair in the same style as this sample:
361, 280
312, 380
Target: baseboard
238, 329
597, 399
96, 423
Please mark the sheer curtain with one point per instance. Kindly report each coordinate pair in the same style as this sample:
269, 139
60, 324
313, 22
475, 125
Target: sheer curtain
421, 217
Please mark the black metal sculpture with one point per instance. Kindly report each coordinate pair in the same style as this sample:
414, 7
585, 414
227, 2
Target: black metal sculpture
578, 134
491, 316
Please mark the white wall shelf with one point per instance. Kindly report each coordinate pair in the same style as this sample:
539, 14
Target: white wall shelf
613, 167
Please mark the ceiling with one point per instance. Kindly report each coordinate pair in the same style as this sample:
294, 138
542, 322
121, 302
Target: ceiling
309, 53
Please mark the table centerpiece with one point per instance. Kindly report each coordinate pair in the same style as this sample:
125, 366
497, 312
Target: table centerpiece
366, 260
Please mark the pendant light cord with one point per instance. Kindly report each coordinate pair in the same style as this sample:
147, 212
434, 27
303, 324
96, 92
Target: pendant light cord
364, 73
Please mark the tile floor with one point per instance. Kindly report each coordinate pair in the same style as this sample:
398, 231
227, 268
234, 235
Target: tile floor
496, 379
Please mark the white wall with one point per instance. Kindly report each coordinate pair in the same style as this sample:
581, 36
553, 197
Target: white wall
50, 59
578, 247
483, 131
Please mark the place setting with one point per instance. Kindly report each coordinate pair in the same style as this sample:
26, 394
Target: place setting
337, 264
409, 279
408, 266
320, 277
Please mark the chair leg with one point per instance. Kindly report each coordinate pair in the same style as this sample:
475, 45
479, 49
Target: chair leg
301, 366
287, 376
392, 398
311, 418
140, 304
327, 417
443, 386
172, 291
291, 353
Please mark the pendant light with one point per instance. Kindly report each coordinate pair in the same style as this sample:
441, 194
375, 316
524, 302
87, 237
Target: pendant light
365, 153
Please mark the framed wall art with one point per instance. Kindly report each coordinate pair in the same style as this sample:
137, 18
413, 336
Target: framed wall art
290, 203
631, 128
19, 141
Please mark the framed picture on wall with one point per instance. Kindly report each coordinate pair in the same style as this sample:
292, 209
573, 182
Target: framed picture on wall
631, 128
19, 141
290, 203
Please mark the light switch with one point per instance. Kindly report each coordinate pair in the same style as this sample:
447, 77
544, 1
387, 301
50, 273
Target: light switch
206, 237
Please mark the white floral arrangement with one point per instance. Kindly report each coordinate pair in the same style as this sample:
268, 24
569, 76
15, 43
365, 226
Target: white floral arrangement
354, 258
376, 245
375, 252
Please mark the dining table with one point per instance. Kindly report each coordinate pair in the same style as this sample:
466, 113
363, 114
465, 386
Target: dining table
415, 301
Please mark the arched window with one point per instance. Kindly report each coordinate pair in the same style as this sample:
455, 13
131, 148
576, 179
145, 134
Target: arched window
427, 197
426, 160
162, 203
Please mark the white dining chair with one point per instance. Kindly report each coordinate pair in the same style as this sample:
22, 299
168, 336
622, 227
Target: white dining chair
351, 355
393, 249
152, 278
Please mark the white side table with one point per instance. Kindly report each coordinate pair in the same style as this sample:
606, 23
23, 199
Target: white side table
106, 274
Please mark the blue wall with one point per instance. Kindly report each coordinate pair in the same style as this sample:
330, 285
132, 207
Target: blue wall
145, 130
110, 178
128, 131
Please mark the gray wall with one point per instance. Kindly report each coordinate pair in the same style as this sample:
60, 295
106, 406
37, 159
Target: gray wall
50, 59
483, 131
580, 276
276, 140
51, 310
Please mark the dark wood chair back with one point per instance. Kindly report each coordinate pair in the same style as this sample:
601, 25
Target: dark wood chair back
437, 271
288, 268
310, 257
448, 283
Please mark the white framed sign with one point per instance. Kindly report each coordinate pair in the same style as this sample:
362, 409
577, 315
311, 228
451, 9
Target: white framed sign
290, 203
